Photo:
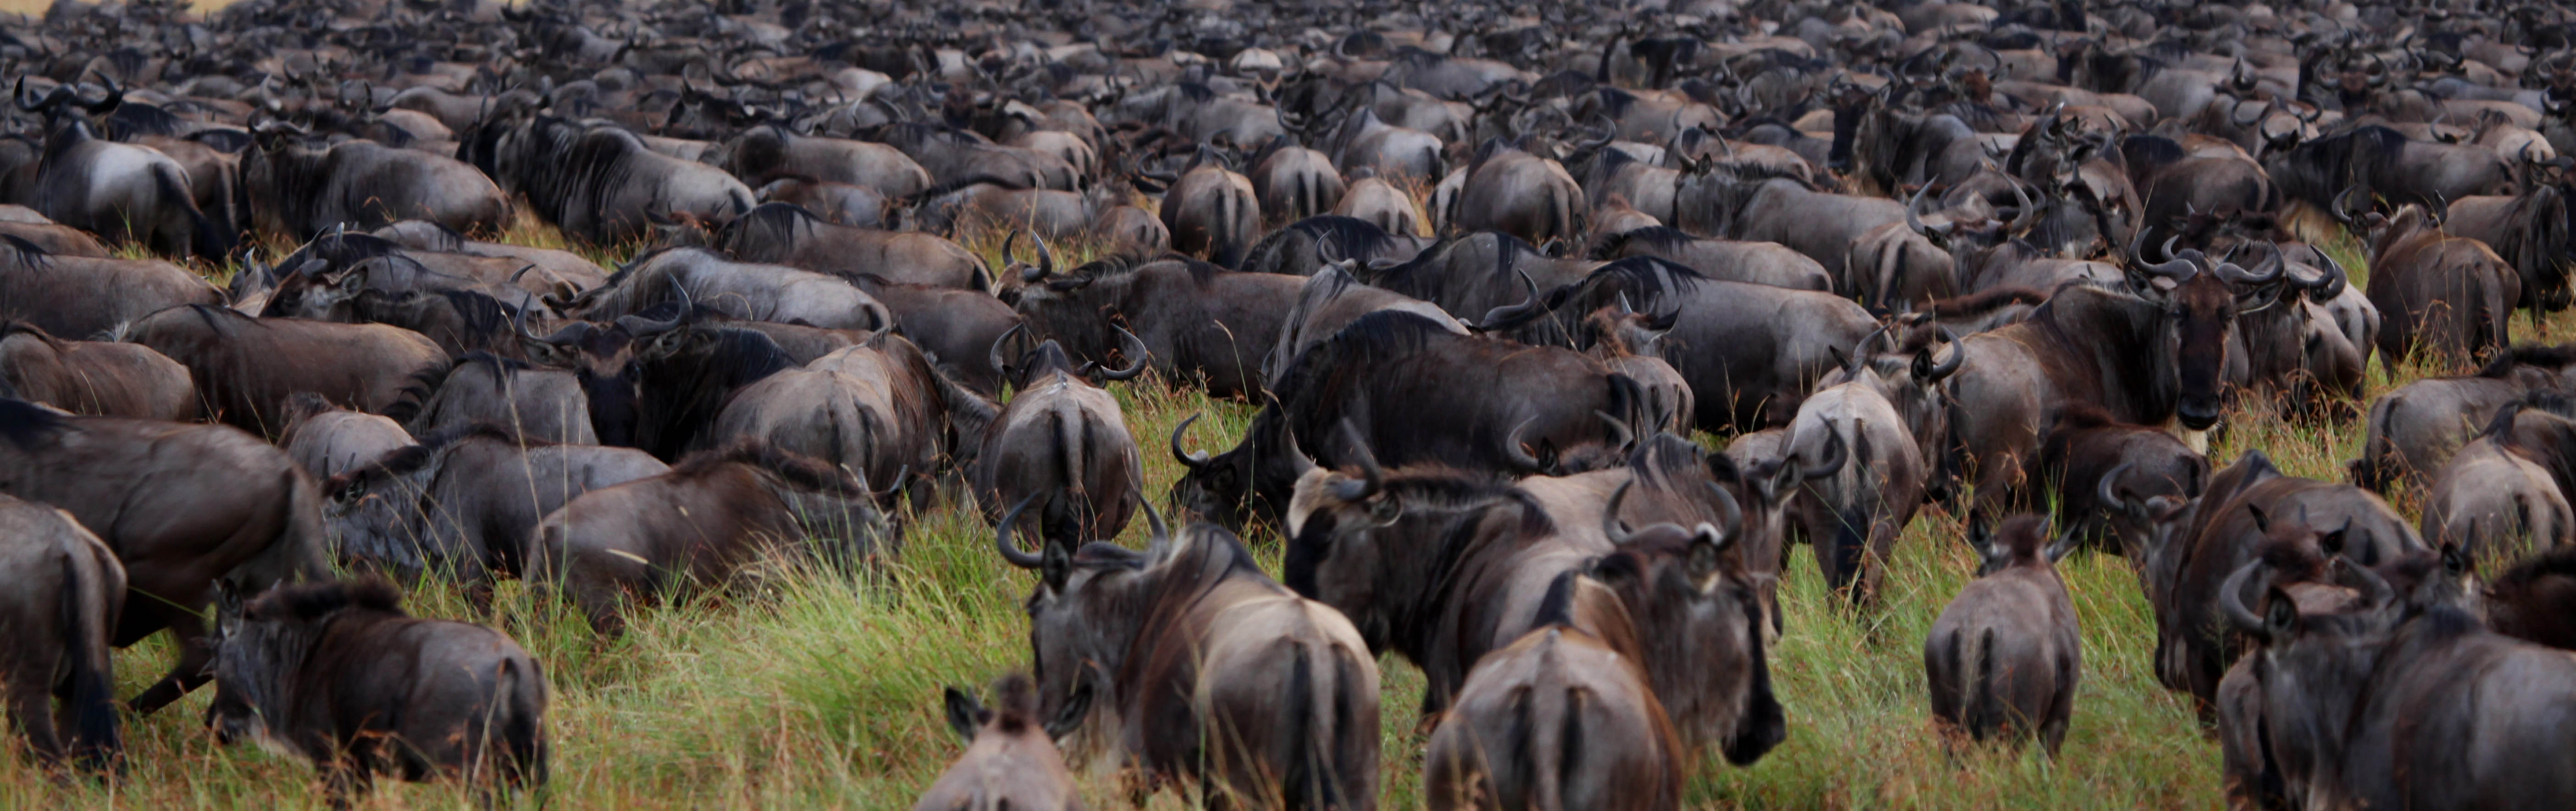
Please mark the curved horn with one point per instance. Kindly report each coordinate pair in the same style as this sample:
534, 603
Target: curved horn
2028, 215
1521, 458
994, 355
884, 318
1610, 515
1157, 533
2334, 281
1511, 315
1011, 242
639, 326
1626, 436
1958, 356
2374, 588
1372, 477
2231, 600
1914, 220
1135, 355
2107, 492
1046, 257
1011, 552
1189, 460
1732, 514
20, 95
1860, 351
2336, 207
2266, 273
115, 95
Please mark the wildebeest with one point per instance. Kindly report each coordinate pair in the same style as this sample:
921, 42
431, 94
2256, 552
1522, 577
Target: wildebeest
2446, 295
339, 674
2534, 231
83, 298
1010, 760
596, 183
700, 524
2386, 164
767, 153
1758, 262
91, 377
878, 410
1559, 719
2005, 655
246, 368
539, 403
68, 590
1217, 673
462, 503
326, 439
783, 234
744, 290
1212, 212
1519, 193
2102, 473
182, 505
2413, 430
1199, 321
1331, 299
1854, 516
128, 193
301, 191
2535, 600
2497, 498
1062, 435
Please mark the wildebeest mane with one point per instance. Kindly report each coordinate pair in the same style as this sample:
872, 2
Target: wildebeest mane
309, 602
1367, 342
1652, 237
481, 313
2318, 170
27, 253
768, 229
2553, 356
684, 394
25, 423
133, 118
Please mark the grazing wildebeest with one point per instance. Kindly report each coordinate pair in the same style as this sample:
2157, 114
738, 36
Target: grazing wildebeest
339, 674
706, 520
769, 153
83, 298
2535, 601
2005, 655
1010, 760
1303, 247
2386, 706
326, 439
67, 590
91, 377
301, 190
2101, 471
1217, 673
1199, 321
246, 368
462, 503
2446, 295
2414, 429
182, 505
1062, 434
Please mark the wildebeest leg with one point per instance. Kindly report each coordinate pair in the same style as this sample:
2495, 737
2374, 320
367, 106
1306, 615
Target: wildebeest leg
189, 673
31, 709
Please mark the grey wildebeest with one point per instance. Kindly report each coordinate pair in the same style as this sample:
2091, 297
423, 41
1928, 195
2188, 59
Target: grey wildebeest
767, 153
339, 674
2445, 295
68, 592
2005, 655
92, 377
127, 193
1010, 760
596, 183
1331, 299
1216, 673
744, 290
1854, 516
877, 409
539, 403
2103, 472
2413, 430
2534, 231
783, 234
181, 505
1199, 321
1212, 212
1757, 262
246, 368
1472, 402
463, 502
301, 190
83, 298
1518, 193
1061, 434
326, 439
701, 524
2386, 705
1558, 719
2499, 497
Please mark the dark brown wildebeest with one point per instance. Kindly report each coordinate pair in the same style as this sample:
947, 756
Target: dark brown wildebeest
1472, 402
2244, 504
246, 368
1518, 193
957, 326
67, 592
879, 410
1559, 719
2005, 655
462, 503
2391, 706
180, 504
1695, 614
2447, 295
81, 297
2535, 231
2413, 430
337, 673
1010, 760
2535, 600
2318, 585
1061, 434
1632, 343
658, 385
782, 234
326, 439
92, 377
711, 516
2102, 473
301, 188
1471, 275
1300, 248
1217, 673
1199, 321
2147, 355
538, 403
55, 239
2499, 498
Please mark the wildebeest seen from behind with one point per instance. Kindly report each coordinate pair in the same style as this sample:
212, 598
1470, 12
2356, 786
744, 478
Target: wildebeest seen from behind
597, 182
92, 377
1010, 760
1217, 674
180, 504
2535, 600
1062, 435
462, 503
877, 409
66, 592
658, 384
2499, 498
2446, 295
1519, 193
326, 439
339, 674
1212, 212
2005, 655
783, 234
1199, 321
1558, 719
83, 298
2535, 232
246, 368
127, 193
301, 190
699, 525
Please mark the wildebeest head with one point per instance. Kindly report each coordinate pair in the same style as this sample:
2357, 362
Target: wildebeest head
259, 643
1049, 357
63, 107
1009, 756
1345, 529
2199, 313
687, 367
1087, 600
1694, 599
2023, 541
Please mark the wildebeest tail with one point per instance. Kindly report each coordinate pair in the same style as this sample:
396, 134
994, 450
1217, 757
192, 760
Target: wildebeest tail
205, 238
1306, 782
1976, 699
95, 745
1072, 452
2376, 467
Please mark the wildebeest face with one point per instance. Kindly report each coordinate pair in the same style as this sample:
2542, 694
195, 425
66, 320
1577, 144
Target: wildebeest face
1214, 488
2201, 314
1337, 524
366, 506
244, 681
602, 359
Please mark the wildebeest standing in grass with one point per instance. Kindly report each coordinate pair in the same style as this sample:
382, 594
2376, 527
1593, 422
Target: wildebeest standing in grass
1010, 762
1061, 433
300, 189
463, 502
2005, 655
246, 368
2413, 429
2447, 295
93, 377
339, 674
699, 525
2497, 498
2101, 474
1199, 321
597, 182
180, 504
66, 590
877, 409
1218, 674
327, 439
1559, 719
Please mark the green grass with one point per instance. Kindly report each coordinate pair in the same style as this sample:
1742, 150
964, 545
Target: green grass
820, 691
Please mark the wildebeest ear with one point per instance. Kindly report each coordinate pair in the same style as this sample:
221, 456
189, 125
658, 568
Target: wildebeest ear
1056, 566
2262, 523
2281, 616
2456, 559
964, 714
1069, 717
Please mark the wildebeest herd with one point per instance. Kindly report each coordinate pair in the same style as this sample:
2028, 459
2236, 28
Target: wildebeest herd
1488, 271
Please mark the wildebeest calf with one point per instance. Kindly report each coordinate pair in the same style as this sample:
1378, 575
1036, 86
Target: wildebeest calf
2004, 657
337, 673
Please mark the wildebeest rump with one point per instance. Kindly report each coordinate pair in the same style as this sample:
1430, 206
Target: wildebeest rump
66, 592
2005, 655
93, 377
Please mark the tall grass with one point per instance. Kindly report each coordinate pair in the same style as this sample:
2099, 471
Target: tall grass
819, 690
